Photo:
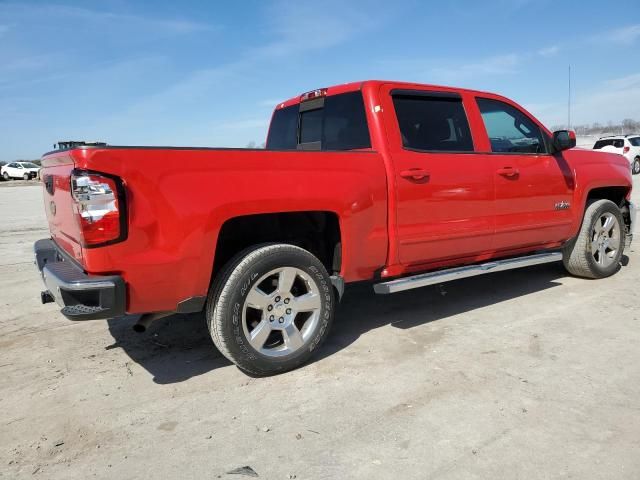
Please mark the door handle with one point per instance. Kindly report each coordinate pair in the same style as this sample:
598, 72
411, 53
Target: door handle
416, 174
508, 172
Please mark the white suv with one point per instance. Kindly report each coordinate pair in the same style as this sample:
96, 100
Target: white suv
25, 170
626, 145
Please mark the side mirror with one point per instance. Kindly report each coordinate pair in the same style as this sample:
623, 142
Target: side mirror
564, 140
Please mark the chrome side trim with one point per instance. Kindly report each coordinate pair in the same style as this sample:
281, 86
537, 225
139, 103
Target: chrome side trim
442, 276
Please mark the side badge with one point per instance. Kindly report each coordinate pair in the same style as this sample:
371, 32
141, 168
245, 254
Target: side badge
563, 205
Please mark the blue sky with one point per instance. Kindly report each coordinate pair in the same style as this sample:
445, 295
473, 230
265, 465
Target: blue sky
207, 73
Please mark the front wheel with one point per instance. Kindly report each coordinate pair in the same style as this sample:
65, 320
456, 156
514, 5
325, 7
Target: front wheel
26, 176
597, 250
6, 176
270, 308
635, 168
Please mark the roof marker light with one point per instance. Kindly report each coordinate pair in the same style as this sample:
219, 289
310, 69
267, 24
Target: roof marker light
320, 92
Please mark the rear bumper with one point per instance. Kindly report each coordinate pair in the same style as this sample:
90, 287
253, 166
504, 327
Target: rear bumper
81, 296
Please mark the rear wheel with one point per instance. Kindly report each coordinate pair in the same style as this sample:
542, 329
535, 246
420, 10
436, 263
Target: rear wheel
270, 308
597, 250
26, 176
636, 166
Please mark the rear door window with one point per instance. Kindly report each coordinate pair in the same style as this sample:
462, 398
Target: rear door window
635, 141
509, 129
336, 122
432, 122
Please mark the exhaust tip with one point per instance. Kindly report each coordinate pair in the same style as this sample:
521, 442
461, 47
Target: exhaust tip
139, 328
46, 297
145, 320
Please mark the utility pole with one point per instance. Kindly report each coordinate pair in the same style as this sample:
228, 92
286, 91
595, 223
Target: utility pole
569, 102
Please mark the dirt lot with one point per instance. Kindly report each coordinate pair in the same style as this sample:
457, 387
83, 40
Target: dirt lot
528, 374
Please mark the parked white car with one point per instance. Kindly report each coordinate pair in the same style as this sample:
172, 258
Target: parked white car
24, 170
626, 145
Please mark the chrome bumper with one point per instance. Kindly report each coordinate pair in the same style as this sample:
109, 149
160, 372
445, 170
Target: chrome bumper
81, 296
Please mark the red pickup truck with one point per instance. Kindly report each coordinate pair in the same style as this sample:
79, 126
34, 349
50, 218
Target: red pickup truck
401, 184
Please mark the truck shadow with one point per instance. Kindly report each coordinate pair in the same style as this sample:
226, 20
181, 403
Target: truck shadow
362, 310
179, 347
172, 350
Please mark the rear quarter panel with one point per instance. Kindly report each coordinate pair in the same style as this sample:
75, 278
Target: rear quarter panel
178, 199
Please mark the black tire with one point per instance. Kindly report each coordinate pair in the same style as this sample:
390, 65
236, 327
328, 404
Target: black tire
26, 176
226, 303
6, 176
578, 258
635, 169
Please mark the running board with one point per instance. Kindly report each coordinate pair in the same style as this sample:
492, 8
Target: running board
442, 276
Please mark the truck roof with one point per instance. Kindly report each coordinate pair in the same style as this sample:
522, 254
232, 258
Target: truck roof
353, 86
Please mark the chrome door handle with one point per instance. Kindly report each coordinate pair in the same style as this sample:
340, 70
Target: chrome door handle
415, 174
508, 172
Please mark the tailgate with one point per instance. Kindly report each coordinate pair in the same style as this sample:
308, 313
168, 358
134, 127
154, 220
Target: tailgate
58, 205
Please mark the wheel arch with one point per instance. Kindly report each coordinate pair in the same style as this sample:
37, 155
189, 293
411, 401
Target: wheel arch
318, 231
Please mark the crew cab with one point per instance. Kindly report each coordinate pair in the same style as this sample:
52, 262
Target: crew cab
399, 184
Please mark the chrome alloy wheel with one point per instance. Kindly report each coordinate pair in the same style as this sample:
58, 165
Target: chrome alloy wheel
605, 239
281, 311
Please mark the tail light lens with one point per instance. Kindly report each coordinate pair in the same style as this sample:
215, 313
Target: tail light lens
625, 150
99, 207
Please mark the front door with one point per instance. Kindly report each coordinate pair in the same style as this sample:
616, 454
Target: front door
533, 189
444, 191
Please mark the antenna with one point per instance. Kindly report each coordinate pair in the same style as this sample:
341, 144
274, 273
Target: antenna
569, 102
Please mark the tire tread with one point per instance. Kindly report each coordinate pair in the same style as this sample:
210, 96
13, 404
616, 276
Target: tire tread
223, 286
576, 256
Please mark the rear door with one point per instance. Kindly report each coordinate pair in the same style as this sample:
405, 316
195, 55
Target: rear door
533, 189
444, 191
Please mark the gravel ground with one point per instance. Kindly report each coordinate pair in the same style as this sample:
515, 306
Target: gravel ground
527, 374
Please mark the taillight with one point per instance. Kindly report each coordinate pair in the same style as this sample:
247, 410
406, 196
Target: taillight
625, 150
99, 207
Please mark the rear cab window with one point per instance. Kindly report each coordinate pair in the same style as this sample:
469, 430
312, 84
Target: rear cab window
332, 123
432, 121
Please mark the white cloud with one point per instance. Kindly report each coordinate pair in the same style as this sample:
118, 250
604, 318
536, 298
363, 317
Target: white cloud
623, 83
495, 65
298, 26
608, 103
270, 102
247, 124
620, 36
53, 13
549, 51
